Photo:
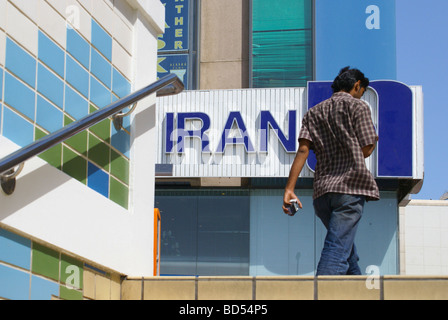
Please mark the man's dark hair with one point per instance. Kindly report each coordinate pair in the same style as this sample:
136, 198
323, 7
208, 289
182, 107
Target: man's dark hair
347, 78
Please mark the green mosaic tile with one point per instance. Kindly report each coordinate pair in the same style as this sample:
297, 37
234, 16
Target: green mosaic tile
72, 271
99, 152
119, 193
69, 293
102, 130
119, 167
54, 155
45, 262
74, 165
77, 142
92, 108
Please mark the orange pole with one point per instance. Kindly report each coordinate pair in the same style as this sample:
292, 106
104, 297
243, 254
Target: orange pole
157, 230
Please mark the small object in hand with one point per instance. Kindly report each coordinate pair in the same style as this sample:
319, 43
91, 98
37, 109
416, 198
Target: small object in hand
293, 208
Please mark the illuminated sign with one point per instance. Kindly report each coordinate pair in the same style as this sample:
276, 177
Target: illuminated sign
254, 132
234, 122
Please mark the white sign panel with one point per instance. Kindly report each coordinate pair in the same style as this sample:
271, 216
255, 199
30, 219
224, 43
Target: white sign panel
230, 133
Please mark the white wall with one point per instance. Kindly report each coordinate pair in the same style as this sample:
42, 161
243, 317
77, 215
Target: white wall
424, 237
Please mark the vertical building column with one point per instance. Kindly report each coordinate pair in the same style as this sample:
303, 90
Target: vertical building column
144, 136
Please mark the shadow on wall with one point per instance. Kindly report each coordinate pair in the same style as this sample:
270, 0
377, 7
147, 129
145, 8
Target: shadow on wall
31, 186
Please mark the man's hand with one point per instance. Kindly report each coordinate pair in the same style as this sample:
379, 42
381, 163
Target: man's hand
296, 168
288, 196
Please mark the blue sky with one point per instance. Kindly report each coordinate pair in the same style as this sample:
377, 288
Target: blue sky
422, 59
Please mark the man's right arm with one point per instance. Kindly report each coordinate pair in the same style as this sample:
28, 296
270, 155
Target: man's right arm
296, 168
368, 150
365, 130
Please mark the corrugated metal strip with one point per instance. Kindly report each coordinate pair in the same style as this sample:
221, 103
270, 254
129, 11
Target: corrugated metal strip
235, 161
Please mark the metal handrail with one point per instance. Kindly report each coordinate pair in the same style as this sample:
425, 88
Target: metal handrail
168, 85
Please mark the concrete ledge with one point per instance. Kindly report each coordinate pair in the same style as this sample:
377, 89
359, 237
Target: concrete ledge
416, 288
287, 288
153, 11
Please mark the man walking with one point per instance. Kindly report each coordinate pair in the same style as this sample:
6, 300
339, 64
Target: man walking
341, 133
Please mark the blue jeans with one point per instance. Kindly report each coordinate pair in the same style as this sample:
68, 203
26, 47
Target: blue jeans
340, 214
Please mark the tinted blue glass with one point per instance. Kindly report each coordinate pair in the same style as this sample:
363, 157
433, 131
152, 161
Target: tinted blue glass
282, 50
205, 232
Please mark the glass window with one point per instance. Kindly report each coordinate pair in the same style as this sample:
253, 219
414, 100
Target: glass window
204, 232
282, 43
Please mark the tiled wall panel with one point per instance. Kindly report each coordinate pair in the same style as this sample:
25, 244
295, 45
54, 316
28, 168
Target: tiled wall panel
32, 271
60, 61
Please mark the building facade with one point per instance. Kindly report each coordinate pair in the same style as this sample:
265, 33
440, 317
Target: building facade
213, 160
227, 145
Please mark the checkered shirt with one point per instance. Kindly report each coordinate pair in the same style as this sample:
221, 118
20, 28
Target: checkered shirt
338, 129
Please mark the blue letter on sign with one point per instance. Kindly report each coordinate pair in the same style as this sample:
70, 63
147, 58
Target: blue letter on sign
394, 125
267, 120
235, 117
395, 129
182, 133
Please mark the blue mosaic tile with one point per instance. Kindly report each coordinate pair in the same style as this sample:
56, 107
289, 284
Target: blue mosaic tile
101, 68
20, 63
17, 129
101, 40
77, 76
1, 83
48, 116
120, 86
15, 249
42, 289
98, 180
19, 96
14, 284
75, 105
78, 47
121, 141
99, 94
51, 54
50, 85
